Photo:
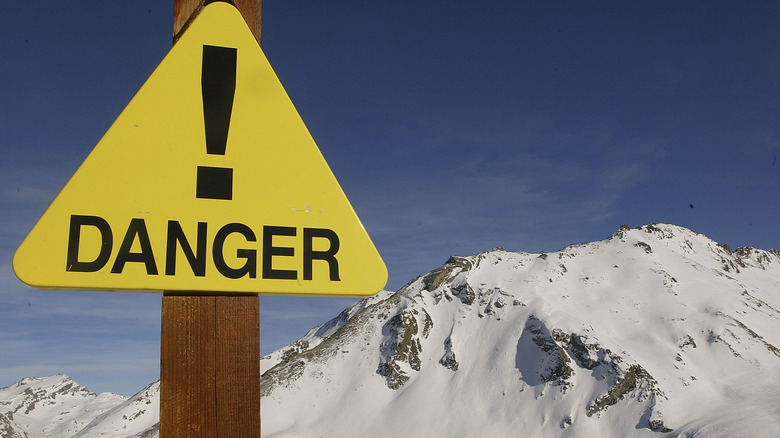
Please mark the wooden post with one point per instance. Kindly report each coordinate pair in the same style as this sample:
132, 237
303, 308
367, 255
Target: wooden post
210, 366
186, 10
210, 346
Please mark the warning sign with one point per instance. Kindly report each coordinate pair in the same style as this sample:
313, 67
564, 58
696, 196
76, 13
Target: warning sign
207, 181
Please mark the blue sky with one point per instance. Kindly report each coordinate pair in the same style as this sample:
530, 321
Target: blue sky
453, 127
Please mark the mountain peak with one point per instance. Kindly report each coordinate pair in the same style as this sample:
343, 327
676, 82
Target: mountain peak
57, 406
609, 337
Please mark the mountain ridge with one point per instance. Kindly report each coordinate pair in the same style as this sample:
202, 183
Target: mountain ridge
654, 331
56, 406
605, 368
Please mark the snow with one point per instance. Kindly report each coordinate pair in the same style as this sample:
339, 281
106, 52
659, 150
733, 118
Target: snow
655, 331
57, 406
52, 406
659, 301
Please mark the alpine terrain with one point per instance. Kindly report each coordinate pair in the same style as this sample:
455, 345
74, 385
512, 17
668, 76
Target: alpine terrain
657, 331
59, 407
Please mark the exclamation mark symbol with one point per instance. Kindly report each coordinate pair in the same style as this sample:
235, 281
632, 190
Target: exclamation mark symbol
218, 84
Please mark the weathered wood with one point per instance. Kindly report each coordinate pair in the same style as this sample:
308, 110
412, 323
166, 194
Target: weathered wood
210, 346
187, 367
186, 10
238, 366
210, 366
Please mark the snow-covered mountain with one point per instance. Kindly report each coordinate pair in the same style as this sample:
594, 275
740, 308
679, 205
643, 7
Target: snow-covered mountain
58, 407
656, 331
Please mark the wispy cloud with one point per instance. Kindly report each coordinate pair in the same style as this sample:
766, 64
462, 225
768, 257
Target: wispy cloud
45, 332
520, 201
137, 364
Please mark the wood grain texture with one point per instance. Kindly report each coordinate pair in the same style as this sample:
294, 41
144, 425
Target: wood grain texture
187, 367
185, 11
238, 366
210, 366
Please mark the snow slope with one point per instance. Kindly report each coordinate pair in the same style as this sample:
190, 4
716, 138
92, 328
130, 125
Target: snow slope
656, 331
57, 406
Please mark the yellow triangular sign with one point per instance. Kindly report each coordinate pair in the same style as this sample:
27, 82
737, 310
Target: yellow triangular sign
207, 181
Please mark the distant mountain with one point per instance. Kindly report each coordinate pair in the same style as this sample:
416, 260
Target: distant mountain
59, 407
656, 331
